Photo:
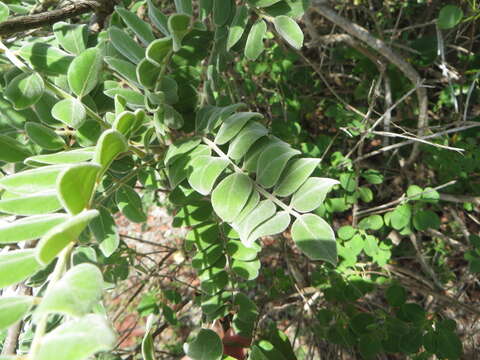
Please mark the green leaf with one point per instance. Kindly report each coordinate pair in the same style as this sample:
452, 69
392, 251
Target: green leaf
373, 222
133, 98
252, 203
130, 204
401, 216
105, 231
238, 251
396, 295
254, 46
289, 30
272, 162
233, 124
148, 346
245, 139
206, 170
142, 29
32, 181
426, 219
312, 193
221, 11
147, 73
365, 193
184, 7
178, 25
125, 68
126, 45
231, 195
272, 226
158, 19
179, 148
125, 123
74, 294
110, 144
43, 136
29, 228
46, 58
237, 27
31, 204
57, 238
449, 17
4, 12
315, 238
77, 339
63, 157
72, 37
25, 90
246, 269
257, 354
16, 266
207, 345
206, 8
13, 309
373, 176
71, 112
84, 71
263, 3
295, 175
75, 186
262, 212
12, 150
158, 50
179, 169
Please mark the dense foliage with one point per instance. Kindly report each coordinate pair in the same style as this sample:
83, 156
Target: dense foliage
310, 232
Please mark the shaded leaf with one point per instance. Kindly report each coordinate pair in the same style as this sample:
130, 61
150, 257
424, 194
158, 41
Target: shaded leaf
315, 238
12, 150
207, 345
105, 231
289, 30
238, 26
71, 112
126, 45
130, 204
254, 46
72, 37
25, 90
142, 29
46, 58
43, 136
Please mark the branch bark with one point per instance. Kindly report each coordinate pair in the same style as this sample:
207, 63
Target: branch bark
383, 49
29, 22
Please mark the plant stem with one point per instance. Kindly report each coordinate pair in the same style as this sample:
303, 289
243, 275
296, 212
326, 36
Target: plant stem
42, 323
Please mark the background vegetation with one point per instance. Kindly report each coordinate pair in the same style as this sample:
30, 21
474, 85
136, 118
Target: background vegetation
383, 93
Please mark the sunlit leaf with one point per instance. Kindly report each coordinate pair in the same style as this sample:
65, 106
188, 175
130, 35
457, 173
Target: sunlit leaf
29, 228
57, 238
46, 58
72, 37
13, 309
178, 25
238, 26
126, 45
84, 71
158, 19
74, 294
158, 50
312, 193
206, 170
109, 146
233, 124
295, 175
289, 30
31, 204
254, 46
142, 29
31, 181
16, 266
275, 225
63, 157
75, 186
271, 163
77, 339
231, 195
71, 112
